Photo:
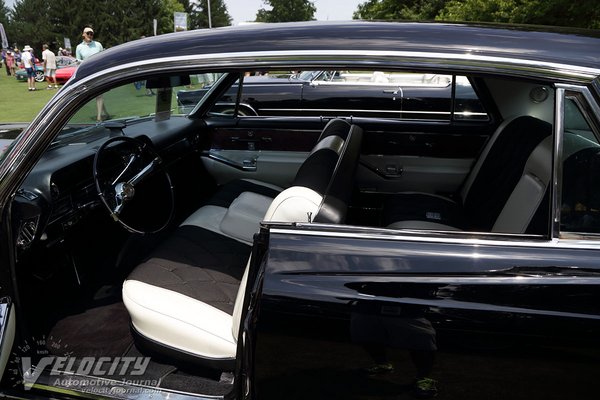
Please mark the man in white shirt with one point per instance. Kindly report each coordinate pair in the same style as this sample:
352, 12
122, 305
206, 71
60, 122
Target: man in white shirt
49, 66
29, 65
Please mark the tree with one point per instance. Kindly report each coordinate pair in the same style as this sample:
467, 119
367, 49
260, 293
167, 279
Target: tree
287, 11
583, 14
30, 24
4, 13
198, 14
414, 10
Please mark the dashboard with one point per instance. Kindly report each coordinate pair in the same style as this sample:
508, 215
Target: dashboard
60, 192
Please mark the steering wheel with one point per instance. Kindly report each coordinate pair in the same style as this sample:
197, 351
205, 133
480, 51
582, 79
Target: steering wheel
133, 185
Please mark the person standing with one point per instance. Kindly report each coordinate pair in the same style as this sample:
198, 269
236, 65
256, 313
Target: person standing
87, 48
49, 66
29, 65
10, 62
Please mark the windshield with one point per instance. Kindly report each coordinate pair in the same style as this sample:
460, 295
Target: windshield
135, 102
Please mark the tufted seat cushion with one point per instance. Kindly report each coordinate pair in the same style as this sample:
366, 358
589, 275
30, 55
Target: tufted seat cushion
187, 298
183, 295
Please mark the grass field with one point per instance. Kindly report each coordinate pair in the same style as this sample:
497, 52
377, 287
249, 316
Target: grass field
17, 104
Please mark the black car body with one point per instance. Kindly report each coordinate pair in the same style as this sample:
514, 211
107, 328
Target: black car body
352, 254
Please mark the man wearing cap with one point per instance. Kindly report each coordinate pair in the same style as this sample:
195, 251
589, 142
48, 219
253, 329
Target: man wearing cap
29, 66
88, 47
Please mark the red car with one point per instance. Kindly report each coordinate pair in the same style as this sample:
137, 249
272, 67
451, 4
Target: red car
63, 74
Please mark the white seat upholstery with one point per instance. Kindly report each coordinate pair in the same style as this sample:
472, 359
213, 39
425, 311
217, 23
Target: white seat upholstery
187, 298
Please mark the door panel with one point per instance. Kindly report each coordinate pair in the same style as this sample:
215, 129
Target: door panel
432, 159
258, 149
483, 320
275, 167
391, 174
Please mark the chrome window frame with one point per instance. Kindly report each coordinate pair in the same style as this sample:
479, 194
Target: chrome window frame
590, 110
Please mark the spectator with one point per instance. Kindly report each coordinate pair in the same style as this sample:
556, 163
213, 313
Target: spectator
29, 65
17, 58
10, 62
49, 66
87, 48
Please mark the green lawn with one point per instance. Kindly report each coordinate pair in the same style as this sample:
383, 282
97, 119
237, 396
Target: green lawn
17, 104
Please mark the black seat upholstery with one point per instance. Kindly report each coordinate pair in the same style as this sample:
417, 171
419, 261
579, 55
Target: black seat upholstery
514, 167
186, 298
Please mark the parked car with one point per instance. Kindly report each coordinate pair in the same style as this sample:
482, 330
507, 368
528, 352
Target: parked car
61, 63
332, 93
356, 251
64, 74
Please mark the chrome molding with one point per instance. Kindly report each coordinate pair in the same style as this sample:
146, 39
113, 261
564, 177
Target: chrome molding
559, 128
596, 86
350, 111
446, 237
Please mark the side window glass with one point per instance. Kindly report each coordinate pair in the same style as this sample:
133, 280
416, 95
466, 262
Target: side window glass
363, 93
467, 106
580, 202
189, 96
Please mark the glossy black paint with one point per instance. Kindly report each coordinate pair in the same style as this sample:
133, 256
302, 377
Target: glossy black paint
484, 320
558, 46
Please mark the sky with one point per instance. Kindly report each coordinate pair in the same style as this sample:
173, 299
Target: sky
332, 10
245, 10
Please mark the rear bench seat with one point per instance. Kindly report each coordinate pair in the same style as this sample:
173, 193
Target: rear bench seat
507, 190
186, 298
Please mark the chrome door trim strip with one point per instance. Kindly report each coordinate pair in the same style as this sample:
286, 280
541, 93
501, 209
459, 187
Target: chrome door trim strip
436, 278
442, 237
302, 110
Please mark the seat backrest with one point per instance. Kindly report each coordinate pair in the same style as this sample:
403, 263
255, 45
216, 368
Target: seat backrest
318, 199
323, 186
492, 182
530, 196
316, 171
336, 198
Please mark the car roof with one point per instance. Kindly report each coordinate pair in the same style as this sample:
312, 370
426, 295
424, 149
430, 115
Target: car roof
576, 48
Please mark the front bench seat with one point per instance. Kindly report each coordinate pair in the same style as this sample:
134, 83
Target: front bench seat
185, 300
505, 192
238, 207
